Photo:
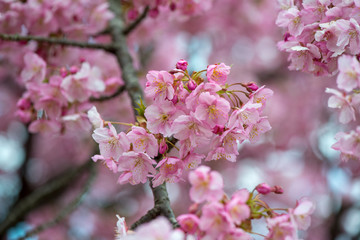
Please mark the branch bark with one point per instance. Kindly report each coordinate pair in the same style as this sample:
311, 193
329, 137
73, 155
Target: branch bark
137, 21
121, 51
58, 41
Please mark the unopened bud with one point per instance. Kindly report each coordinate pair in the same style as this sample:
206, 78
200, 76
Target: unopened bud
23, 104
263, 188
182, 64
163, 147
278, 190
191, 85
172, 6
193, 208
252, 86
154, 12
218, 129
132, 14
73, 69
175, 99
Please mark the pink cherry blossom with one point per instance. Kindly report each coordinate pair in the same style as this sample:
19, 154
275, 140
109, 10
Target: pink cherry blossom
342, 101
110, 162
189, 223
111, 144
95, 118
188, 127
35, 68
215, 220
205, 185
237, 207
212, 109
218, 73
291, 19
348, 144
301, 213
159, 85
158, 229
281, 228
349, 76
135, 167
160, 117
121, 229
182, 64
192, 101
257, 129
171, 169
143, 141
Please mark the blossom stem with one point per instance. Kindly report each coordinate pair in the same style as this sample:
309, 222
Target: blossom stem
171, 144
257, 234
120, 123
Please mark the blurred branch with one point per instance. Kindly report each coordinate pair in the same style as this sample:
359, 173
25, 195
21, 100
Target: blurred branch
67, 210
58, 41
44, 192
137, 21
106, 98
121, 51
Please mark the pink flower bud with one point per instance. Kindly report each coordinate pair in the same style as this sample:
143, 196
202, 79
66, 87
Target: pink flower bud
182, 64
154, 12
191, 85
252, 86
73, 69
277, 190
23, 104
24, 116
218, 129
63, 72
263, 188
163, 147
132, 14
175, 99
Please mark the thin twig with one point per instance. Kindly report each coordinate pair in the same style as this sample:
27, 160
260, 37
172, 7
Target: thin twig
67, 210
58, 41
38, 196
136, 22
106, 98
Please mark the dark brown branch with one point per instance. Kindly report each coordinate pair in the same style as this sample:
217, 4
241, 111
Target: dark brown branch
137, 21
58, 41
37, 197
121, 51
67, 210
106, 98
150, 215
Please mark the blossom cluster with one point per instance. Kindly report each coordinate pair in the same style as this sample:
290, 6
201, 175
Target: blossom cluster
188, 114
318, 32
323, 37
216, 216
58, 99
74, 19
183, 8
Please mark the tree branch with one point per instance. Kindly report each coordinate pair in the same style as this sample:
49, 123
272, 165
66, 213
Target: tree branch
44, 192
106, 98
67, 210
137, 21
58, 41
121, 51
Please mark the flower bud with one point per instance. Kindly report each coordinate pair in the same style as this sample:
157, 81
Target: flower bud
263, 188
132, 14
23, 104
172, 6
73, 69
191, 85
182, 64
163, 147
154, 12
175, 99
252, 86
218, 129
278, 190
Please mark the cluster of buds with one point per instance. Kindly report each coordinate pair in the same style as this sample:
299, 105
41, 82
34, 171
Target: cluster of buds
188, 114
